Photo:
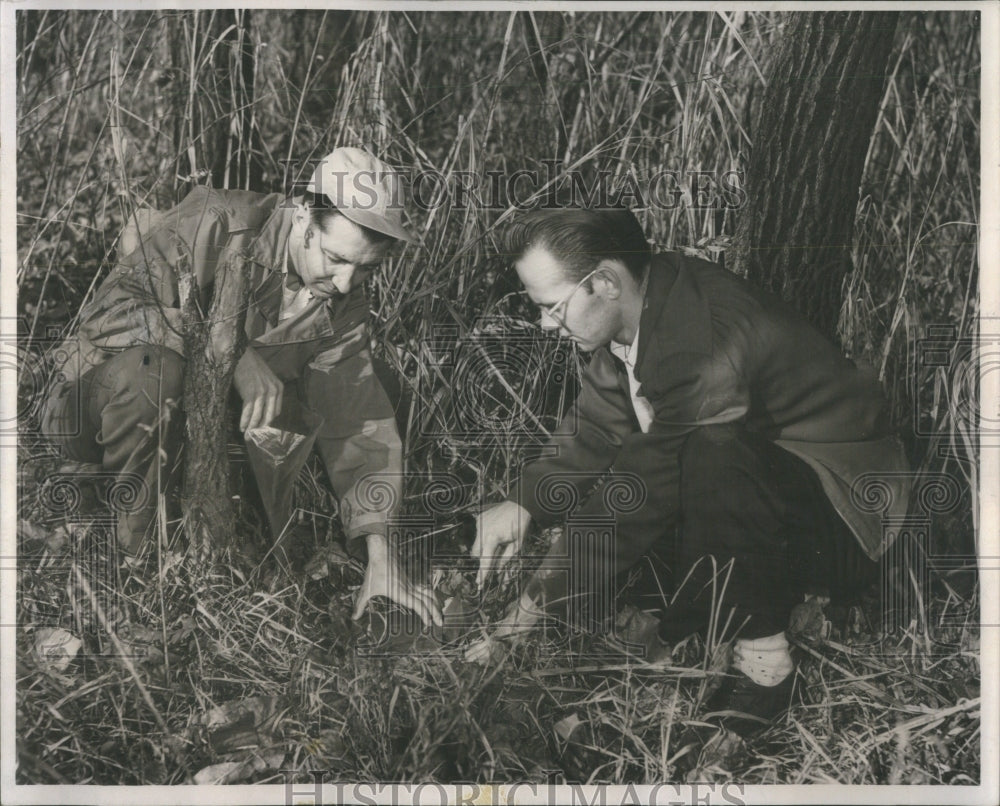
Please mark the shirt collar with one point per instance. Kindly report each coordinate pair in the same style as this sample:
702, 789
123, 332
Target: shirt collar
292, 280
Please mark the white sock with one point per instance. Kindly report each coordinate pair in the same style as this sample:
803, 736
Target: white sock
766, 661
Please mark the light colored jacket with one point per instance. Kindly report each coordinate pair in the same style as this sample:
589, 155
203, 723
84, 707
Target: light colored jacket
139, 303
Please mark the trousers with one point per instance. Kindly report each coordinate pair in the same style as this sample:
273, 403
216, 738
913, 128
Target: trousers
762, 515
123, 415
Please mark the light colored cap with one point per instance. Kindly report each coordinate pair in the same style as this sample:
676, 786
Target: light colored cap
364, 189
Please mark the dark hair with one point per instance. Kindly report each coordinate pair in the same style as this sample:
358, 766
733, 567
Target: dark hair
322, 212
580, 239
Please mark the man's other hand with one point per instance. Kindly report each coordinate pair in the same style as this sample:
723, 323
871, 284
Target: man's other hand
259, 389
502, 527
384, 577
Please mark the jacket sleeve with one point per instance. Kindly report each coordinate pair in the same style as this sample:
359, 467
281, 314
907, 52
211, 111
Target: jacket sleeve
139, 302
582, 448
643, 492
359, 441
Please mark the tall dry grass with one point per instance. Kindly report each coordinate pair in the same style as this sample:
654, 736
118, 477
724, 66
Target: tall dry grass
106, 110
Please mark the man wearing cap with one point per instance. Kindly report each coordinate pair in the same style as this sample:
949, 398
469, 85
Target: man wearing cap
306, 378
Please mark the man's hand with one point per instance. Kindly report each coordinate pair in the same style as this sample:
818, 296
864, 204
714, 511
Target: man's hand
505, 525
259, 388
384, 577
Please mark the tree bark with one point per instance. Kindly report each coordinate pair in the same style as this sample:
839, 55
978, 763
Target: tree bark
810, 139
216, 139
213, 343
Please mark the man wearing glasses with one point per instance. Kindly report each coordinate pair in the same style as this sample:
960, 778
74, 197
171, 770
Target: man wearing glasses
746, 427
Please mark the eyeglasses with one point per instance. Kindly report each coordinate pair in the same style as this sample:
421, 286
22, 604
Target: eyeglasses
552, 311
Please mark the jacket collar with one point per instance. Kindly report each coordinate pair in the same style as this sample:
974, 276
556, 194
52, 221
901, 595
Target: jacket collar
675, 316
271, 243
270, 248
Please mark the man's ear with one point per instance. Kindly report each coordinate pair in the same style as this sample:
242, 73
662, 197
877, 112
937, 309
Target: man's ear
300, 218
608, 278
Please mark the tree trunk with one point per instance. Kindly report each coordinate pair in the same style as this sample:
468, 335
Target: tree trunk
212, 344
216, 139
810, 140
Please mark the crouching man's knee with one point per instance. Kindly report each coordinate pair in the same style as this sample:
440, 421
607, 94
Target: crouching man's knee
105, 405
714, 449
151, 366
139, 384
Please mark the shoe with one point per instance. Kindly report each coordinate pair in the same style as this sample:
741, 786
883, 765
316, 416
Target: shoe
746, 707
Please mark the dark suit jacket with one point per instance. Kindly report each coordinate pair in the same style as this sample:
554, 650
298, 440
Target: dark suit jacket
714, 349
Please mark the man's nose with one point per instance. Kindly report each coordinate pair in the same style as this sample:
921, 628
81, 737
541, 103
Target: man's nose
548, 321
346, 277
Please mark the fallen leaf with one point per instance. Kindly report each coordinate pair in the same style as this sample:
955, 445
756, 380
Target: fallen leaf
217, 773
330, 556
719, 756
564, 727
242, 724
56, 647
231, 772
35, 538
